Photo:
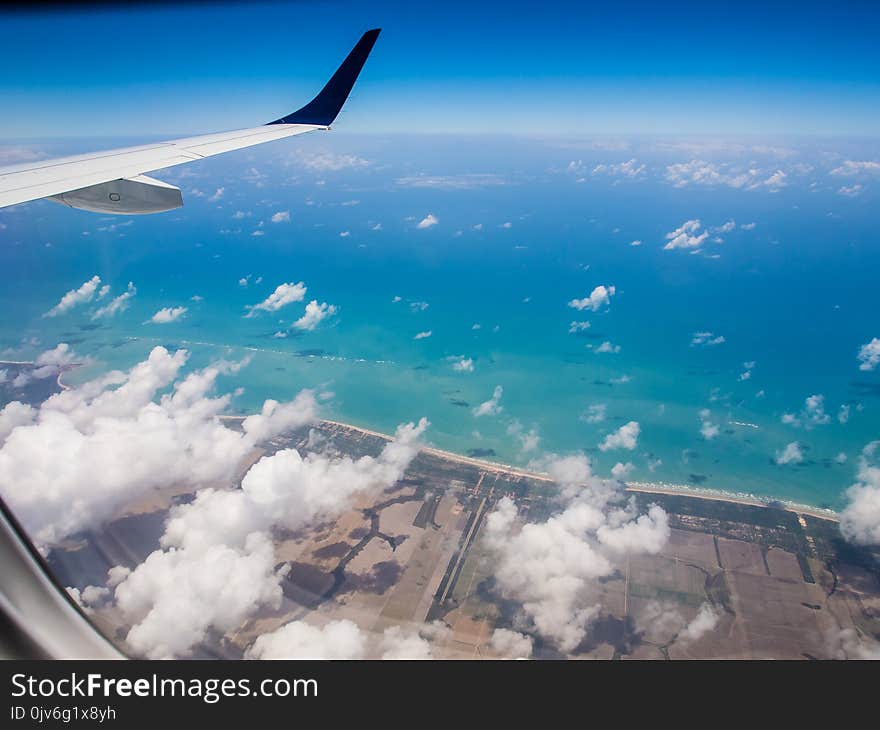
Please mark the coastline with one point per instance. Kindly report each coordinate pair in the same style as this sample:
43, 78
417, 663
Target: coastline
641, 487
667, 488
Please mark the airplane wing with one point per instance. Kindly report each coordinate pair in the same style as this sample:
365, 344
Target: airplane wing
113, 181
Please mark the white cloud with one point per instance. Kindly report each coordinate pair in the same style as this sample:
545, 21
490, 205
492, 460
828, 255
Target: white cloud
860, 519
328, 161
700, 172
599, 297
594, 413
630, 168
791, 454
491, 407
528, 440
117, 304
687, 235
511, 644
428, 221
218, 193
315, 313
282, 216
344, 639
812, 414
216, 565
576, 327
168, 314
551, 568
468, 181
708, 430
707, 338
423, 335
89, 450
283, 295
85, 293
621, 471
607, 347
624, 437
299, 640
851, 191
855, 167
464, 365
869, 355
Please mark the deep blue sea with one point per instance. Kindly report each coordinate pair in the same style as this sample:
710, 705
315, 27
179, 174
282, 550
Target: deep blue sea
523, 227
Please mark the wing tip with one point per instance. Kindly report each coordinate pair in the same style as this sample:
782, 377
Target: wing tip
325, 107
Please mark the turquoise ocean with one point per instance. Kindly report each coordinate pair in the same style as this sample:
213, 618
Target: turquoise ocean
523, 227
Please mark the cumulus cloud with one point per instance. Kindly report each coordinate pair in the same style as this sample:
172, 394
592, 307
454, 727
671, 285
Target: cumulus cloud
300, 640
343, 639
860, 519
511, 644
428, 221
621, 471
625, 437
282, 216
315, 313
83, 454
708, 430
423, 335
599, 297
491, 407
791, 454
551, 568
662, 623
84, 293
607, 347
869, 355
283, 295
528, 440
464, 365
217, 566
701, 172
168, 314
117, 304
812, 414
576, 327
687, 235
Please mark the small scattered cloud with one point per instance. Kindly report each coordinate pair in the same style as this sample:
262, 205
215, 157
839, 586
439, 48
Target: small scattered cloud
428, 221
687, 235
706, 339
625, 437
792, 454
599, 297
282, 216
117, 304
86, 292
869, 355
315, 313
283, 295
491, 407
168, 314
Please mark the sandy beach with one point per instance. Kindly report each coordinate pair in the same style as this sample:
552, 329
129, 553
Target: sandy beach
642, 487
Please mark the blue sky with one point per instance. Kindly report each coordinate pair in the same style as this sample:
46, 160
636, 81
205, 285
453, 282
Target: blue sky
557, 68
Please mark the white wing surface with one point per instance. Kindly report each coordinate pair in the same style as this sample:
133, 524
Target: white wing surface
113, 181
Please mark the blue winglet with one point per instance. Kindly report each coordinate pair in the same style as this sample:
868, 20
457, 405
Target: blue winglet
325, 107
